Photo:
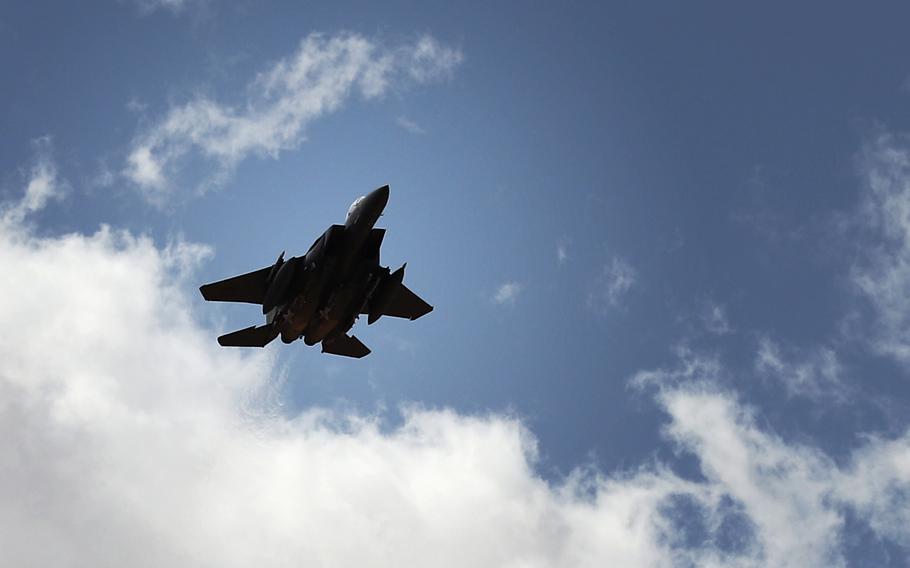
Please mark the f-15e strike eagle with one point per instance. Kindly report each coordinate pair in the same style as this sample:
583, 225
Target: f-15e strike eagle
320, 295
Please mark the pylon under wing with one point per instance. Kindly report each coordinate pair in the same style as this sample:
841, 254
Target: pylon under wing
346, 345
249, 337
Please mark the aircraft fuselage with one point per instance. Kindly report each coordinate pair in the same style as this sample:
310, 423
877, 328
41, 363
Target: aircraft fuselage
319, 295
339, 276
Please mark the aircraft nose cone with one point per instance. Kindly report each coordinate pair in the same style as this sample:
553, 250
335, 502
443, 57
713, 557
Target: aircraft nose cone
376, 201
380, 196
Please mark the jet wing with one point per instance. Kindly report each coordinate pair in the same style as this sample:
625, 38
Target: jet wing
345, 345
405, 304
249, 288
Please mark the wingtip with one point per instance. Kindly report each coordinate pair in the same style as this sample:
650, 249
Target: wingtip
428, 310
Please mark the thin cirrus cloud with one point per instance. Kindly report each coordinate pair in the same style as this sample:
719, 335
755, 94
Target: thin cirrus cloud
611, 285
562, 250
43, 185
176, 7
714, 318
409, 125
882, 275
507, 293
281, 101
817, 375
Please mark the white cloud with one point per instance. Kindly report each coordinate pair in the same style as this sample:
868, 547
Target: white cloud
402, 344
136, 105
562, 251
280, 103
409, 125
778, 485
882, 275
692, 368
714, 317
42, 186
877, 483
612, 285
131, 438
173, 6
817, 375
507, 293
104, 176
428, 60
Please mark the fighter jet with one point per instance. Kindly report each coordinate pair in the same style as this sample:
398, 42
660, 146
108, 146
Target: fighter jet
319, 296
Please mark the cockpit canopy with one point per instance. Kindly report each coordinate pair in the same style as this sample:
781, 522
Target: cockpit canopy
353, 207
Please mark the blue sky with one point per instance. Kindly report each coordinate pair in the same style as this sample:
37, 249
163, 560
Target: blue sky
667, 247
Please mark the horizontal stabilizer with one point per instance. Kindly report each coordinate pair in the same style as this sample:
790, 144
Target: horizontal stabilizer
249, 337
404, 304
249, 288
345, 345
407, 304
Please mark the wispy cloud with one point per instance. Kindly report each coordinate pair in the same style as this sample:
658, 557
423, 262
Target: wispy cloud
507, 293
103, 176
882, 273
136, 105
714, 318
775, 485
611, 285
324, 73
817, 375
562, 250
42, 185
409, 125
173, 6
401, 344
